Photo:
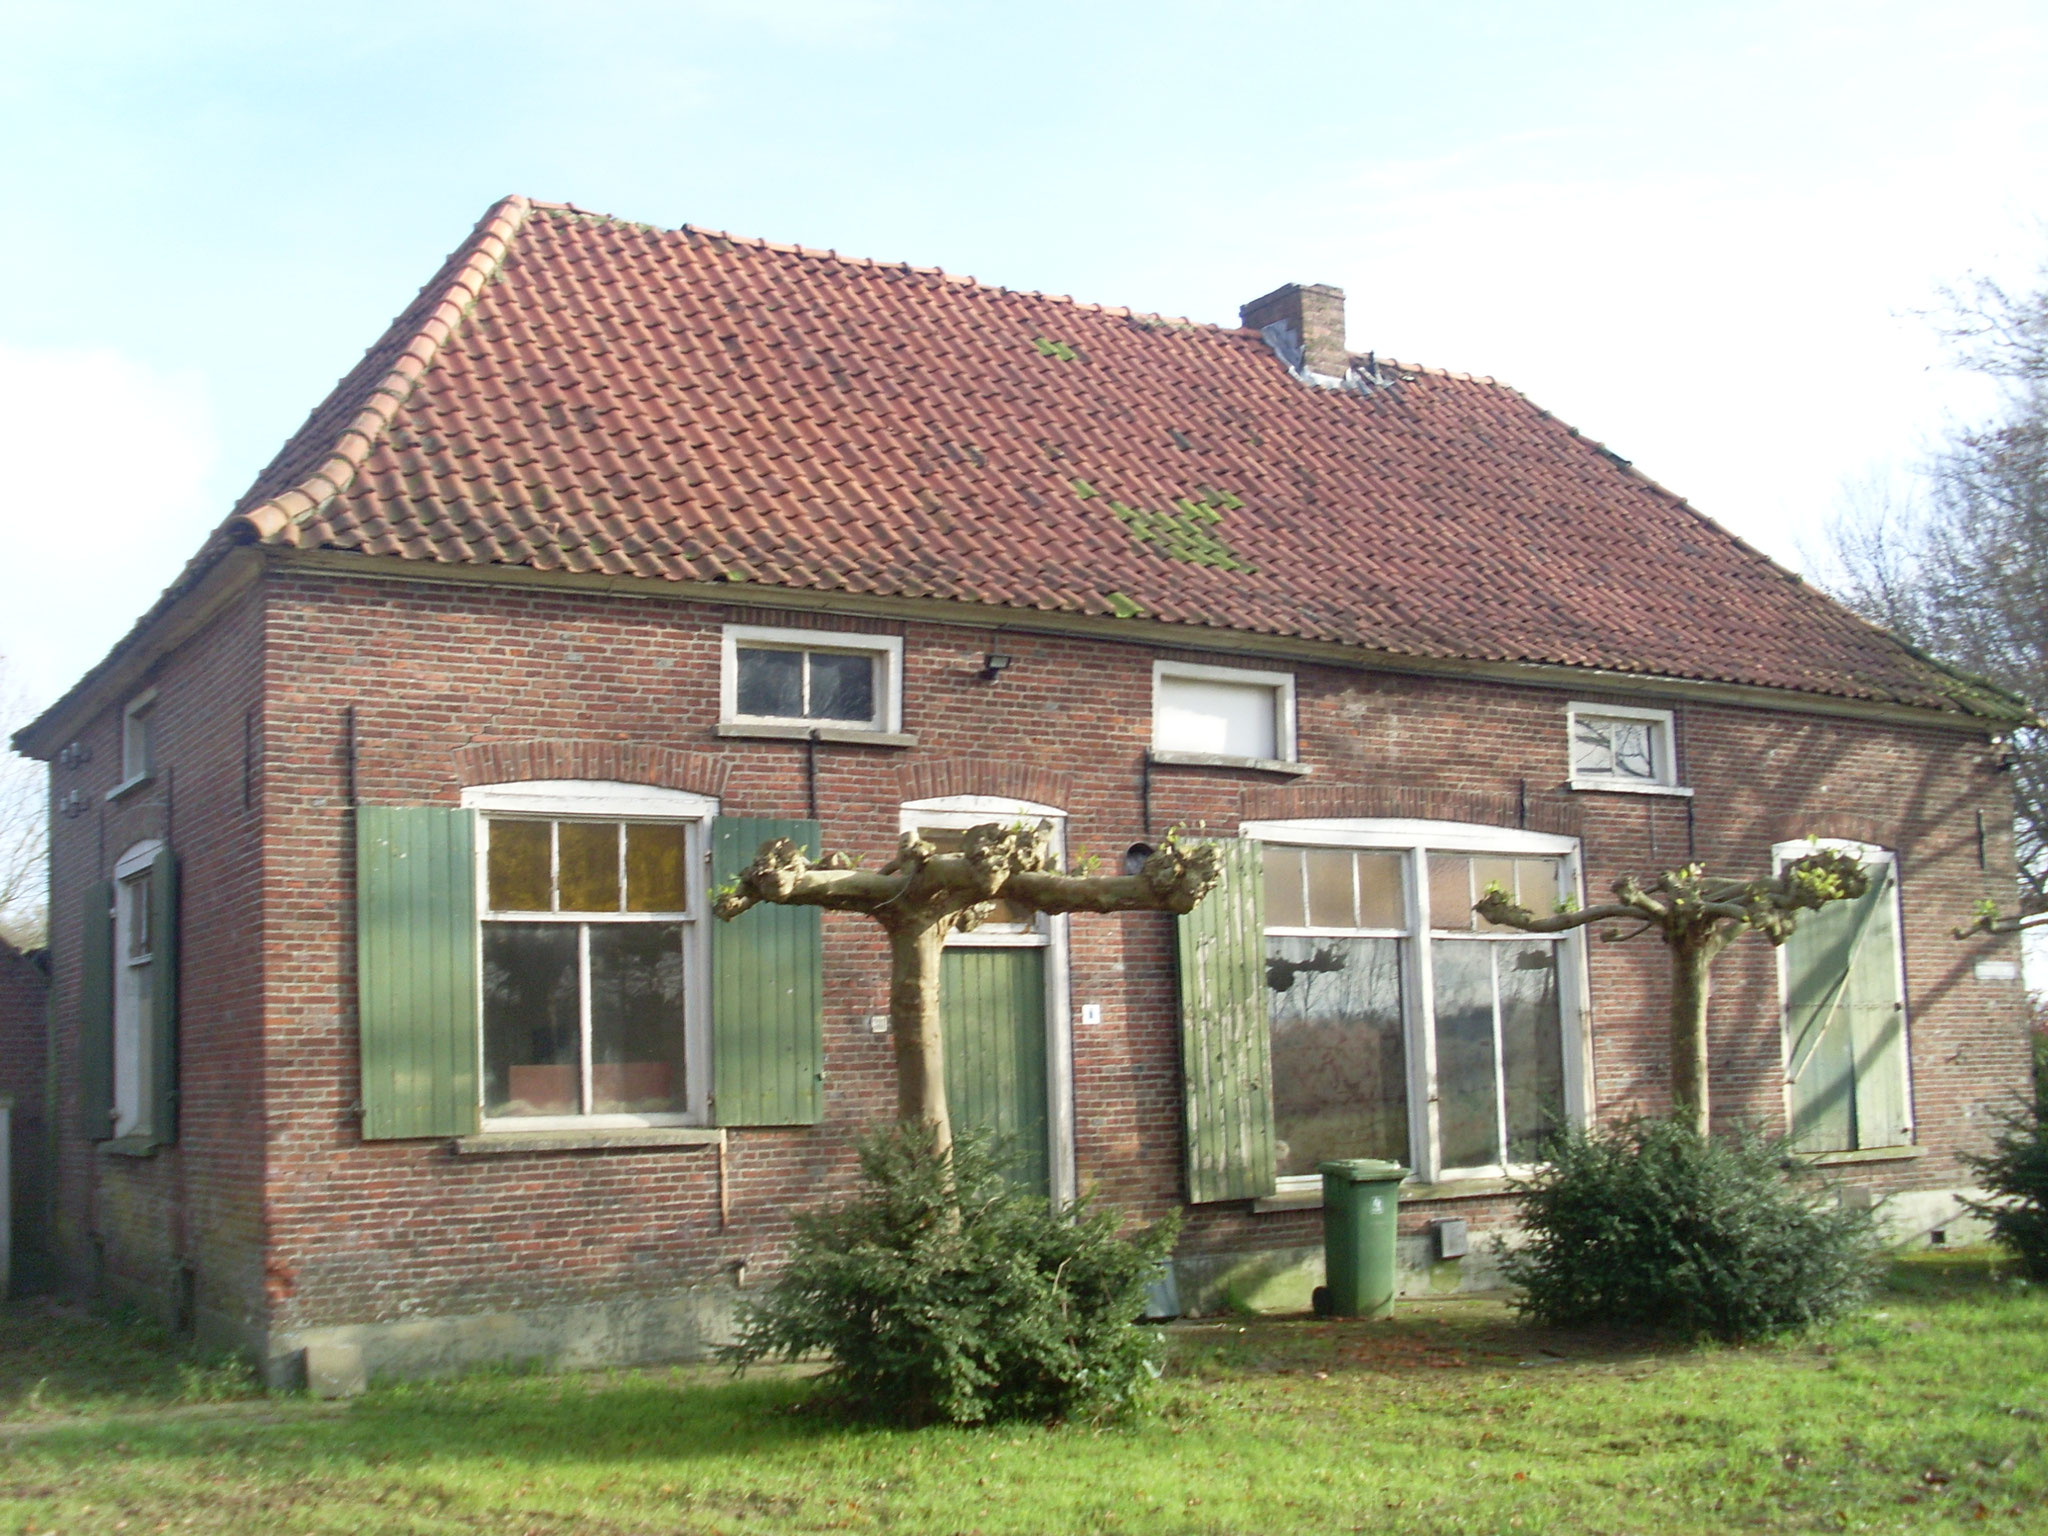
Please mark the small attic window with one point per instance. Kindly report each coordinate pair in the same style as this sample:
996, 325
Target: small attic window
1615, 747
138, 741
793, 677
1222, 714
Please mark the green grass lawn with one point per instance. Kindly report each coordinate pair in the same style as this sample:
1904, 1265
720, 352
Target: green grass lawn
1926, 1412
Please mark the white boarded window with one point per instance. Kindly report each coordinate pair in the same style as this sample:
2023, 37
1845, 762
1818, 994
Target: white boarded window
1222, 712
1615, 747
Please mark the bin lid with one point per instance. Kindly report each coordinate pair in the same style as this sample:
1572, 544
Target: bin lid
1362, 1170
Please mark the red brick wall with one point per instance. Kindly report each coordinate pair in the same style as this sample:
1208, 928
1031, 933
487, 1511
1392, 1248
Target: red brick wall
446, 681
134, 1223
24, 993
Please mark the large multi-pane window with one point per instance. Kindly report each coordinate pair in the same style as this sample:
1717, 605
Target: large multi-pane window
1403, 1026
587, 951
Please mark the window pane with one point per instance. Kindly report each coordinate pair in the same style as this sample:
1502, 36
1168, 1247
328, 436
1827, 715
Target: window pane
1608, 745
518, 865
1468, 1130
842, 687
1531, 1044
137, 758
1592, 747
530, 1011
1382, 890
589, 854
657, 866
1485, 872
1284, 908
1232, 719
636, 1018
1450, 891
771, 683
1329, 888
1537, 884
1340, 1086
135, 890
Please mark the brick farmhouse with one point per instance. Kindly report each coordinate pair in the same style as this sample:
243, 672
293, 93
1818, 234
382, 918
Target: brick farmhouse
387, 1008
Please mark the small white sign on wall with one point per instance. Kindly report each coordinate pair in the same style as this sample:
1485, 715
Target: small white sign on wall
1998, 970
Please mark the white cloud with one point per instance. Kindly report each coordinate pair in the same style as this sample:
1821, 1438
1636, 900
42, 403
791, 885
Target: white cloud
106, 496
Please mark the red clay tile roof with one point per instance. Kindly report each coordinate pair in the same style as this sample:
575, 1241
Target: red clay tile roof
577, 393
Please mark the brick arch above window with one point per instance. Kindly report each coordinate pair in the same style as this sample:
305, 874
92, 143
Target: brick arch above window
623, 762
1832, 825
1532, 810
934, 778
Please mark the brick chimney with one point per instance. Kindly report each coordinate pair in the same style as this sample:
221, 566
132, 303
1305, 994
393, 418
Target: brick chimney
1312, 318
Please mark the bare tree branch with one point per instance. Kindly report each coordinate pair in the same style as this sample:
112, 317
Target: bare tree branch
1698, 916
24, 832
922, 894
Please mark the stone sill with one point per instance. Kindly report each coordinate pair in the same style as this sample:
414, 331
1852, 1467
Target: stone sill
131, 1146
129, 786
1865, 1155
492, 1142
1222, 760
1591, 787
1462, 1189
842, 735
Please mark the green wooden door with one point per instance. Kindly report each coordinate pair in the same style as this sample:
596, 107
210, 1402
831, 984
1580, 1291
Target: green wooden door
1845, 1024
992, 1004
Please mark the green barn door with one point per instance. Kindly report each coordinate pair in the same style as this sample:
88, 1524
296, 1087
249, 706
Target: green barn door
992, 1004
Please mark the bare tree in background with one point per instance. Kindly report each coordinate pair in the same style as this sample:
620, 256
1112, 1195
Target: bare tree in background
1961, 569
24, 833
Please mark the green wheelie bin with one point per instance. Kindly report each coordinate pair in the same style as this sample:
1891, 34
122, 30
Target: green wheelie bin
1360, 1202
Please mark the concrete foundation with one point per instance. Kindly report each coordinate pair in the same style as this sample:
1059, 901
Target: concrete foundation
1282, 1279
341, 1359
641, 1330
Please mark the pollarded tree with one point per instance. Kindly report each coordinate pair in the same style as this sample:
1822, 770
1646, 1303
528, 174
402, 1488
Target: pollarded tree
1697, 915
922, 895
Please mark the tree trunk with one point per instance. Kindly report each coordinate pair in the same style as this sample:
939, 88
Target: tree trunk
1691, 986
914, 1017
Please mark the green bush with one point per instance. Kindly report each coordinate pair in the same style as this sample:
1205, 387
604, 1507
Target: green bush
2016, 1173
960, 1297
1646, 1224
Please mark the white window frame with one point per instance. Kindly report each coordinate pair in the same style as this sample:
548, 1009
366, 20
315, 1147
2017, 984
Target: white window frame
888, 649
1666, 748
138, 726
1282, 684
1049, 933
1864, 853
1415, 838
134, 998
609, 800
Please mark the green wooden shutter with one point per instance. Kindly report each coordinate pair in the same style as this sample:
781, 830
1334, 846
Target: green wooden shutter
416, 978
1845, 1024
163, 1000
767, 991
1226, 1046
1877, 1027
96, 1014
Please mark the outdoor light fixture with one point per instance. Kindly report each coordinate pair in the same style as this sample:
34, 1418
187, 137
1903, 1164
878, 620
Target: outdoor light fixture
993, 666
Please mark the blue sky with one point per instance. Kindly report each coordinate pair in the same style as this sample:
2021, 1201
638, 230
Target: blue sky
1702, 233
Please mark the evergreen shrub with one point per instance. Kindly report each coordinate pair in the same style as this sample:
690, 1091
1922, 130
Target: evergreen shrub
1648, 1224
2016, 1173
951, 1293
